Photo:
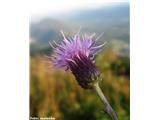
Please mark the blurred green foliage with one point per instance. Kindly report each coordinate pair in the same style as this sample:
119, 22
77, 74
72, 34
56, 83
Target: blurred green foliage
57, 94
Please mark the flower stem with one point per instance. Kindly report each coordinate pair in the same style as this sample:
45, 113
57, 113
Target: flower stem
108, 109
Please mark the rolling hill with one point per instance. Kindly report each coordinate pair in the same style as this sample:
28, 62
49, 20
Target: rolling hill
113, 21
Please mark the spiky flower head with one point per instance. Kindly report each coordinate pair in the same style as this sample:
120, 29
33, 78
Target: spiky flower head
77, 55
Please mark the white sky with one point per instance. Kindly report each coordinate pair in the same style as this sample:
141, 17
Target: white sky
43, 7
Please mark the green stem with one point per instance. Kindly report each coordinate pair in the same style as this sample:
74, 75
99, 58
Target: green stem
108, 109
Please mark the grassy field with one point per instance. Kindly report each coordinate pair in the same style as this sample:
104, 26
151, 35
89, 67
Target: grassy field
57, 94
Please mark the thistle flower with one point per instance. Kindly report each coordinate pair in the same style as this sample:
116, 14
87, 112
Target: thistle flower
77, 55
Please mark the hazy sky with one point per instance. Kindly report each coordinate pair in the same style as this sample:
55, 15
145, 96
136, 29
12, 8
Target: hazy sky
44, 7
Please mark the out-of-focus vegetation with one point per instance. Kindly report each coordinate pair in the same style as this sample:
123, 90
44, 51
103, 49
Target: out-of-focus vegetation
57, 94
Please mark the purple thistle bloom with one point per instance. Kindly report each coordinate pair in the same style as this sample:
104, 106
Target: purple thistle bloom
77, 55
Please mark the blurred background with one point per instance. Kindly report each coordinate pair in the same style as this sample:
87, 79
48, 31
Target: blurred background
56, 93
